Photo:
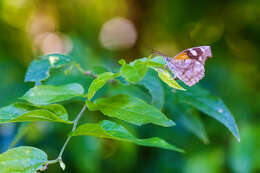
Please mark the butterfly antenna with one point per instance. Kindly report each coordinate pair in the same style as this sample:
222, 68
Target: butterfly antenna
159, 53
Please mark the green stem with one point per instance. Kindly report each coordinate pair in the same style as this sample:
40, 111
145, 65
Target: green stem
75, 123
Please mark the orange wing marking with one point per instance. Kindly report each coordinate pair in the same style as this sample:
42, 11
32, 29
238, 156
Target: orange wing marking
183, 55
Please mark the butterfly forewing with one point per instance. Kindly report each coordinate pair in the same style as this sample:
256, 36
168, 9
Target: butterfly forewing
188, 65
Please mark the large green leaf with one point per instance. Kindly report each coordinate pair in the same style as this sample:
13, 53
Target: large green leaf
133, 72
153, 84
47, 94
167, 78
210, 105
130, 109
21, 112
99, 82
22, 160
39, 69
108, 129
187, 117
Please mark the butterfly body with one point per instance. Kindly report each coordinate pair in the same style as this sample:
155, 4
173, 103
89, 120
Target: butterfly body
188, 65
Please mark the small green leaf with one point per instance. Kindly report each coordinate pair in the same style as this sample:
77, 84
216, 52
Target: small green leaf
133, 72
47, 94
153, 84
210, 105
167, 78
22, 112
22, 160
39, 69
111, 130
99, 82
130, 109
157, 61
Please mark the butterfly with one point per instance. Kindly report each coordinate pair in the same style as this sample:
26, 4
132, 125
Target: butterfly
188, 65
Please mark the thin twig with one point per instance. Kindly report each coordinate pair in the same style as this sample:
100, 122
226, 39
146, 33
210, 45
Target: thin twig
75, 123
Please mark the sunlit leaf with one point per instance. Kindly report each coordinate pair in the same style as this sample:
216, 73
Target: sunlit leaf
39, 69
133, 72
167, 78
210, 105
157, 61
130, 109
22, 112
111, 130
99, 82
153, 84
47, 94
22, 160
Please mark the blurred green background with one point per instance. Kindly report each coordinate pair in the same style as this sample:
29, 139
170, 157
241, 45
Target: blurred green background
99, 33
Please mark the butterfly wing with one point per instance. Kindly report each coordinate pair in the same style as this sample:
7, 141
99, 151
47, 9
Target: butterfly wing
187, 70
188, 65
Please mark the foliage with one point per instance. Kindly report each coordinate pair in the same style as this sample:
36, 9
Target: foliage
41, 104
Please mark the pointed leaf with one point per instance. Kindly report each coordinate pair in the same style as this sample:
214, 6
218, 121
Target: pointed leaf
192, 122
210, 105
188, 117
99, 82
22, 112
47, 94
22, 160
133, 72
167, 78
130, 109
153, 84
111, 130
39, 70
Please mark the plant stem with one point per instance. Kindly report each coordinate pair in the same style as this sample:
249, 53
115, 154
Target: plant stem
75, 123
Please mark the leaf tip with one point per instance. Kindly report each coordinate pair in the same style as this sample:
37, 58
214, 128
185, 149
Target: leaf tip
170, 123
238, 138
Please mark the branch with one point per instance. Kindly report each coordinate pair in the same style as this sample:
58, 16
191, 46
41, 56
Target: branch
59, 158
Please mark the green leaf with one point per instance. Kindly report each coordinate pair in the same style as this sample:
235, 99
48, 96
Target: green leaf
21, 132
47, 94
188, 117
99, 82
210, 105
153, 84
192, 122
39, 70
130, 109
22, 160
167, 78
22, 112
133, 72
157, 61
111, 130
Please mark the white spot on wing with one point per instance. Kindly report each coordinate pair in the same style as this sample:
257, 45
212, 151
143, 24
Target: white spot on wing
193, 52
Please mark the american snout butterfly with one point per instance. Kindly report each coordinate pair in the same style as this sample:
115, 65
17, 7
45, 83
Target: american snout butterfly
188, 65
